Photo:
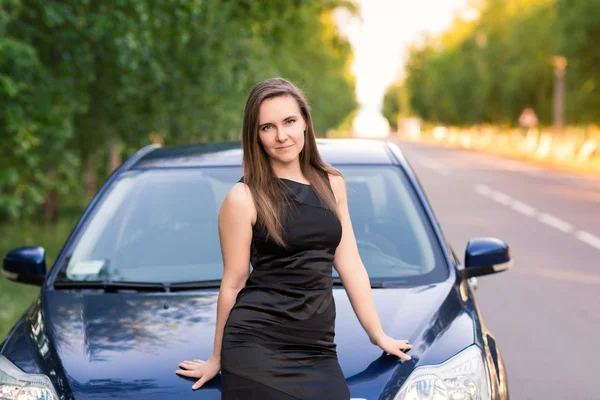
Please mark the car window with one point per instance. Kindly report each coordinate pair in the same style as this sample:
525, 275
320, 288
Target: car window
393, 234
156, 226
160, 225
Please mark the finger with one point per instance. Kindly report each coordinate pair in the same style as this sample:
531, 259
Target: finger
403, 344
199, 383
403, 356
200, 361
187, 365
191, 374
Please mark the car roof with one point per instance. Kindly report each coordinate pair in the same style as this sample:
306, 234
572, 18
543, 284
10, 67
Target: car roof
221, 154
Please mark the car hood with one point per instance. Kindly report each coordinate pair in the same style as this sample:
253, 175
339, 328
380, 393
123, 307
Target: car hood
128, 345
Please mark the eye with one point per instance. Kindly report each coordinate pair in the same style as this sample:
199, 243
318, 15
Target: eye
264, 128
291, 121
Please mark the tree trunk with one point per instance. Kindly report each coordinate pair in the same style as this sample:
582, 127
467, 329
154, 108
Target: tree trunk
91, 179
114, 159
50, 204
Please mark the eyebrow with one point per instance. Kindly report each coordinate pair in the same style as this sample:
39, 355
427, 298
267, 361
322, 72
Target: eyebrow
285, 119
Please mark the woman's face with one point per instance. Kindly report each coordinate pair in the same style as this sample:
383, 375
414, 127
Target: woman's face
281, 129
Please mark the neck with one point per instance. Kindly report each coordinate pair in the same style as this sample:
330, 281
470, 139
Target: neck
288, 171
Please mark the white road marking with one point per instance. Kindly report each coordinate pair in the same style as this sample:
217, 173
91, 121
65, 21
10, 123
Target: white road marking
483, 189
588, 238
554, 222
545, 218
520, 207
434, 165
501, 198
524, 209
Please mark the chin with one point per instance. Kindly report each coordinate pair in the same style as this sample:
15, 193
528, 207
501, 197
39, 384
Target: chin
286, 159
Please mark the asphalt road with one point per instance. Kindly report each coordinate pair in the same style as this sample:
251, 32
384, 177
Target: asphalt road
545, 312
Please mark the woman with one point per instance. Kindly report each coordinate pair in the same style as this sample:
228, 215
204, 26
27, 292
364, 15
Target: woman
288, 216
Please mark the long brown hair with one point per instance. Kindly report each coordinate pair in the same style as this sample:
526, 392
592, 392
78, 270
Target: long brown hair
258, 172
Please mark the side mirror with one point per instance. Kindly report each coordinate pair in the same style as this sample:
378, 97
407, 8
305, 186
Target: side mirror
25, 264
485, 256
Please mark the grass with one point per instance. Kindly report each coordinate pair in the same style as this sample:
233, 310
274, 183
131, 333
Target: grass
16, 297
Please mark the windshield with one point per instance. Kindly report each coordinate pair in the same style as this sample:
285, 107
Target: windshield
160, 225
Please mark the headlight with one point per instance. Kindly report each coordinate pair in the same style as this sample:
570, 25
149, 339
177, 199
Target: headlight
17, 385
463, 377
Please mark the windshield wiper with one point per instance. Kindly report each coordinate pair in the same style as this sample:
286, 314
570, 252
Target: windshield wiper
378, 283
191, 285
375, 283
115, 286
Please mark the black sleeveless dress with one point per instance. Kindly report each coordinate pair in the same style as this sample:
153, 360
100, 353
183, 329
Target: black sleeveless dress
278, 339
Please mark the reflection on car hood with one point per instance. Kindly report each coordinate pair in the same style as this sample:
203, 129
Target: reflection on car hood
128, 345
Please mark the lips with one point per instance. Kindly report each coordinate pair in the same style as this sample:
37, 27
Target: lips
283, 148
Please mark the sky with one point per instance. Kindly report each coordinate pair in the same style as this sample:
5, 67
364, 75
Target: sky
381, 38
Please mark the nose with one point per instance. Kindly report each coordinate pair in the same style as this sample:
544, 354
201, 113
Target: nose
281, 135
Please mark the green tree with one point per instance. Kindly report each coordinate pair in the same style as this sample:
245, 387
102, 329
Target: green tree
395, 104
486, 70
578, 25
78, 77
34, 123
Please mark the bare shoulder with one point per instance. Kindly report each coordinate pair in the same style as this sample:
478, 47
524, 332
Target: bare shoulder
239, 203
239, 194
338, 185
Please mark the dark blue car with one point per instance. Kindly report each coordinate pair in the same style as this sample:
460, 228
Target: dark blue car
134, 290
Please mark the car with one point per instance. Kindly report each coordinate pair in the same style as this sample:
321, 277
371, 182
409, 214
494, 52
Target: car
133, 291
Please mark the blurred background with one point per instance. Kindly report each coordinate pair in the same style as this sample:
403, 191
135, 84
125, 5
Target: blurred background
84, 84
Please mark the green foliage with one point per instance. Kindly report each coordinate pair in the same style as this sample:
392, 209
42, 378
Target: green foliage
488, 70
395, 104
15, 297
579, 27
34, 123
77, 76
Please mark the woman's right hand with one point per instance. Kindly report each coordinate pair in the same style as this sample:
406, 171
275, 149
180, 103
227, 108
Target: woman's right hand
204, 370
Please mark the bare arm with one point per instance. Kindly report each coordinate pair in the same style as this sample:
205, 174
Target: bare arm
236, 218
356, 280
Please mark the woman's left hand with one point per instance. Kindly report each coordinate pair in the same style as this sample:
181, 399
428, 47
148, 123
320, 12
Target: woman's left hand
393, 346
